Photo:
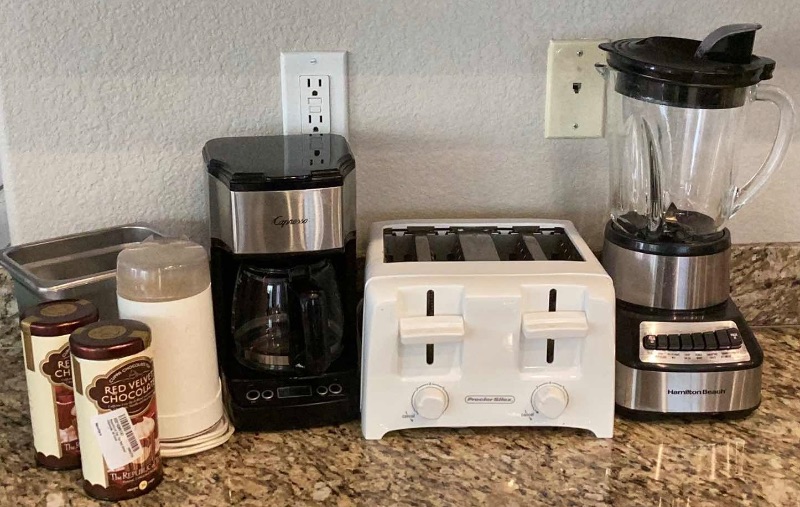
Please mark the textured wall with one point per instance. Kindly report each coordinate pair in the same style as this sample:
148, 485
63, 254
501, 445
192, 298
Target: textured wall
106, 104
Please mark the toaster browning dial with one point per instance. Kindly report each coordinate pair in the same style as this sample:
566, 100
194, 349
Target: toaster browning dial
430, 401
550, 400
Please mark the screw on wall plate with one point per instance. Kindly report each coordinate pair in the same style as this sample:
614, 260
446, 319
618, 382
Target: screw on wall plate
312, 61
575, 126
580, 52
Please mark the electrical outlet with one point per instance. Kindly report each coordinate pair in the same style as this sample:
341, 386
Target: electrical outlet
314, 92
576, 99
315, 105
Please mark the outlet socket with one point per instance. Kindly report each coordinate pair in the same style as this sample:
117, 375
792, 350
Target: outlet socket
315, 105
314, 92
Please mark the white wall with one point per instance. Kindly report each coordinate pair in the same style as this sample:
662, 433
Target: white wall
106, 104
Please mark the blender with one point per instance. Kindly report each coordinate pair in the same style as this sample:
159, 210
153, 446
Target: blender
676, 111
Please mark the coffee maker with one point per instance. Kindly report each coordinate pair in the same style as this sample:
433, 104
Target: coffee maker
283, 266
676, 110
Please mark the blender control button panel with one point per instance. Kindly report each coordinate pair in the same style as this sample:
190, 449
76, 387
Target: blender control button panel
691, 343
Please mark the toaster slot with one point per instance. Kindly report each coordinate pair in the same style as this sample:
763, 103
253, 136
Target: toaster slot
534, 249
485, 243
446, 247
398, 248
509, 246
557, 246
478, 247
422, 247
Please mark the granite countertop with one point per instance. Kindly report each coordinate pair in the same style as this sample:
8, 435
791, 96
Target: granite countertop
755, 461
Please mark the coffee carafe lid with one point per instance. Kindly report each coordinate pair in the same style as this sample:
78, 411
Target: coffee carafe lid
708, 74
291, 162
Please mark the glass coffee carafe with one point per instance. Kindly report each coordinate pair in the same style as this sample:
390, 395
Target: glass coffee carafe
676, 113
287, 320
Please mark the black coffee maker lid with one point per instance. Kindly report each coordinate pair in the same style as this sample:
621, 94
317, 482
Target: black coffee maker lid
265, 163
709, 74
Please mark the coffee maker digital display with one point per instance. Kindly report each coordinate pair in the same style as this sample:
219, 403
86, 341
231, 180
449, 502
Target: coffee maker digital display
282, 215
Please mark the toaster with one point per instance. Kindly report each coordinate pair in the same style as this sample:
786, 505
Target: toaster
485, 323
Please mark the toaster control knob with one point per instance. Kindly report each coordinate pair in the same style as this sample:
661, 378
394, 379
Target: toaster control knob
430, 401
550, 400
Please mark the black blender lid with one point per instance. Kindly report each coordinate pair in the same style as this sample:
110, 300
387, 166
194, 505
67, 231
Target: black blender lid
293, 162
712, 73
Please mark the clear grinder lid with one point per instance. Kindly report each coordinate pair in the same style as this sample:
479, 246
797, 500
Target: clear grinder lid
710, 74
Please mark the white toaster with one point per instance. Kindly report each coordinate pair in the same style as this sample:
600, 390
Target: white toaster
485, 323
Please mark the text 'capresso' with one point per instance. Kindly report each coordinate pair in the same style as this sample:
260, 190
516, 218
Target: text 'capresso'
282, 222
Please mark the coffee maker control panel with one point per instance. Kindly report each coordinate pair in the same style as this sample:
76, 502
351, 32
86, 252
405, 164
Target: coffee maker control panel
266, 393
691, 343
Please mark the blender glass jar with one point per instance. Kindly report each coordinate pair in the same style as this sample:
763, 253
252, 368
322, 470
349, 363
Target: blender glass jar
676, 113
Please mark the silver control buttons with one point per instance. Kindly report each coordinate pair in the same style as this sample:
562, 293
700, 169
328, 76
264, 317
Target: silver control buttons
335, 389
691, 343
322, 390
267, 394
252, 395
550, 400
430, 401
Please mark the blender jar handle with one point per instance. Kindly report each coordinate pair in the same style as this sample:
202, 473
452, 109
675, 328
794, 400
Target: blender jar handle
784, 136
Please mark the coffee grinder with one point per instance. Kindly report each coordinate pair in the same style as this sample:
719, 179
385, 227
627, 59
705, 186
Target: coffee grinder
283, 265
676, 111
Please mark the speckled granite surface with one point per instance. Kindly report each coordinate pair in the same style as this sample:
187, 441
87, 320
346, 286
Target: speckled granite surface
766, 282
751, 462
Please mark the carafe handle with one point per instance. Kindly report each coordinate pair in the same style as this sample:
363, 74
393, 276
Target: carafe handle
314, 312
782, 140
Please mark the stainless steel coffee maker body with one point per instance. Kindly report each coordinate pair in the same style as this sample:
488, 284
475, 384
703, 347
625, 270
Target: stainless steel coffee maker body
282, 221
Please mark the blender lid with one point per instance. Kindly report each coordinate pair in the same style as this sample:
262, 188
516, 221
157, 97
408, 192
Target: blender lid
292, 162
712, 73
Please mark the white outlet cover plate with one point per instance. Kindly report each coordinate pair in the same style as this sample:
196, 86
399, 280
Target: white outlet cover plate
294, 65
570, 114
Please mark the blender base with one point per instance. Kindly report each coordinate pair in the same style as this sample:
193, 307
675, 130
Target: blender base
645, 416
701, 363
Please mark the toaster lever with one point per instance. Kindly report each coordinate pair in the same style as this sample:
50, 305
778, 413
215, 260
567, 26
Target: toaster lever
554, 325
429, 330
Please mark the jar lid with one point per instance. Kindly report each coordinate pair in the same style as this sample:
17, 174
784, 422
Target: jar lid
110, 339
57, 318
707, 74
162, 269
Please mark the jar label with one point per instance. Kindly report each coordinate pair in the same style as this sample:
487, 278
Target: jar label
118, 442
51, 399
118, 414
58, 368
130, 386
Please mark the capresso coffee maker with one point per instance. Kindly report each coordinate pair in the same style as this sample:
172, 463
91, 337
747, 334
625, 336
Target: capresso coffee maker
675, 116
282, 214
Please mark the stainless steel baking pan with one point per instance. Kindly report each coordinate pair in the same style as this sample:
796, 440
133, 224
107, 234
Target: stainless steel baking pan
76, 266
